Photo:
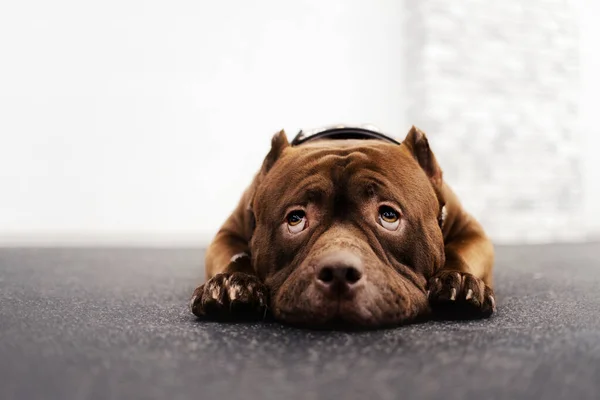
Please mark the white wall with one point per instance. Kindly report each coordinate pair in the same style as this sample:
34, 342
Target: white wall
140, 121
589, 12
496, 87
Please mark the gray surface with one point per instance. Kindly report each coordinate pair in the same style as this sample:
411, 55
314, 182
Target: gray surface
113, 324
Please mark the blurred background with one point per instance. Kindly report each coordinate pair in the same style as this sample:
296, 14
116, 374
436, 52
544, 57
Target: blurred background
140, 122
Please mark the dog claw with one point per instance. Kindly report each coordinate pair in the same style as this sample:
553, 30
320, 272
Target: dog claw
230, 295
453, 294
467, 298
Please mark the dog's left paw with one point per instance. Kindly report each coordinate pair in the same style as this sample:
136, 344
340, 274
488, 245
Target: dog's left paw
459, 295
230, 296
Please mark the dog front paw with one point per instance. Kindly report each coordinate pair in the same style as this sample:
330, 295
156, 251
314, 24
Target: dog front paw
460, 295
231, 296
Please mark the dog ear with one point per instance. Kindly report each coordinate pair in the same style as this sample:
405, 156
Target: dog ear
279, 142
417, 143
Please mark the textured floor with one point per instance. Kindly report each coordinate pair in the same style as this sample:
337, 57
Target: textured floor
113, 324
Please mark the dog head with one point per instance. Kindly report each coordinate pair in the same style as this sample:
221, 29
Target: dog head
348, 231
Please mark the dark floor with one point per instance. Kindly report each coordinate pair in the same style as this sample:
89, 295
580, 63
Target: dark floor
114, 324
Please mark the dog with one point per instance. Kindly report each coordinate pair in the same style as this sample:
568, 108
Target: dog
356, 230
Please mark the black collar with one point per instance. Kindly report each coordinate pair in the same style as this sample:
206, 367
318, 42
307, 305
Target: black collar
341, 132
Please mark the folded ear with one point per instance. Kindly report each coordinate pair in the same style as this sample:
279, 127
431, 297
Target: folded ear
278, 144
233, 239
417, 143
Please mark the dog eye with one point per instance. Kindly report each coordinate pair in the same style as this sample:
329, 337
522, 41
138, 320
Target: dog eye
389, 218
296, 221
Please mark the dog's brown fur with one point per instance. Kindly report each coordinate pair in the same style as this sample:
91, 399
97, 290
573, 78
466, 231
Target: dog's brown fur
341, 184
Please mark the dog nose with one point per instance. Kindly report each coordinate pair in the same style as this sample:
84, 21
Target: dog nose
339, 273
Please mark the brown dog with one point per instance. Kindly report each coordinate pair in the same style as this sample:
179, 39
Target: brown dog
363, 233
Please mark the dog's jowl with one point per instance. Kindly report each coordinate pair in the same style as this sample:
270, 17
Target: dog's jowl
355, 231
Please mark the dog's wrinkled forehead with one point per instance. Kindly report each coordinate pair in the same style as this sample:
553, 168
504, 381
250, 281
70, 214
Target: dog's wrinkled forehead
331, 165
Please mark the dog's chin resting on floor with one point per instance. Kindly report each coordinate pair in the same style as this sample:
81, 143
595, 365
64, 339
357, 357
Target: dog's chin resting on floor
354, 233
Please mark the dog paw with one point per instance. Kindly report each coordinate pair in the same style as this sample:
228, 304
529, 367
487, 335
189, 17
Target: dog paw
230, 296
459, 295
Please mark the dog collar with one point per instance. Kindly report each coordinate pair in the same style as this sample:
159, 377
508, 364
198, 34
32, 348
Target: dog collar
341, 132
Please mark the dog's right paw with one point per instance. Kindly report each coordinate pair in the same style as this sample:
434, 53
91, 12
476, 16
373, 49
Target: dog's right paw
459, 295
231, 296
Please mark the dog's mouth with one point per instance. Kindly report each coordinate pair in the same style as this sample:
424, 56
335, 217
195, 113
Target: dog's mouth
341, 322
378, 304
